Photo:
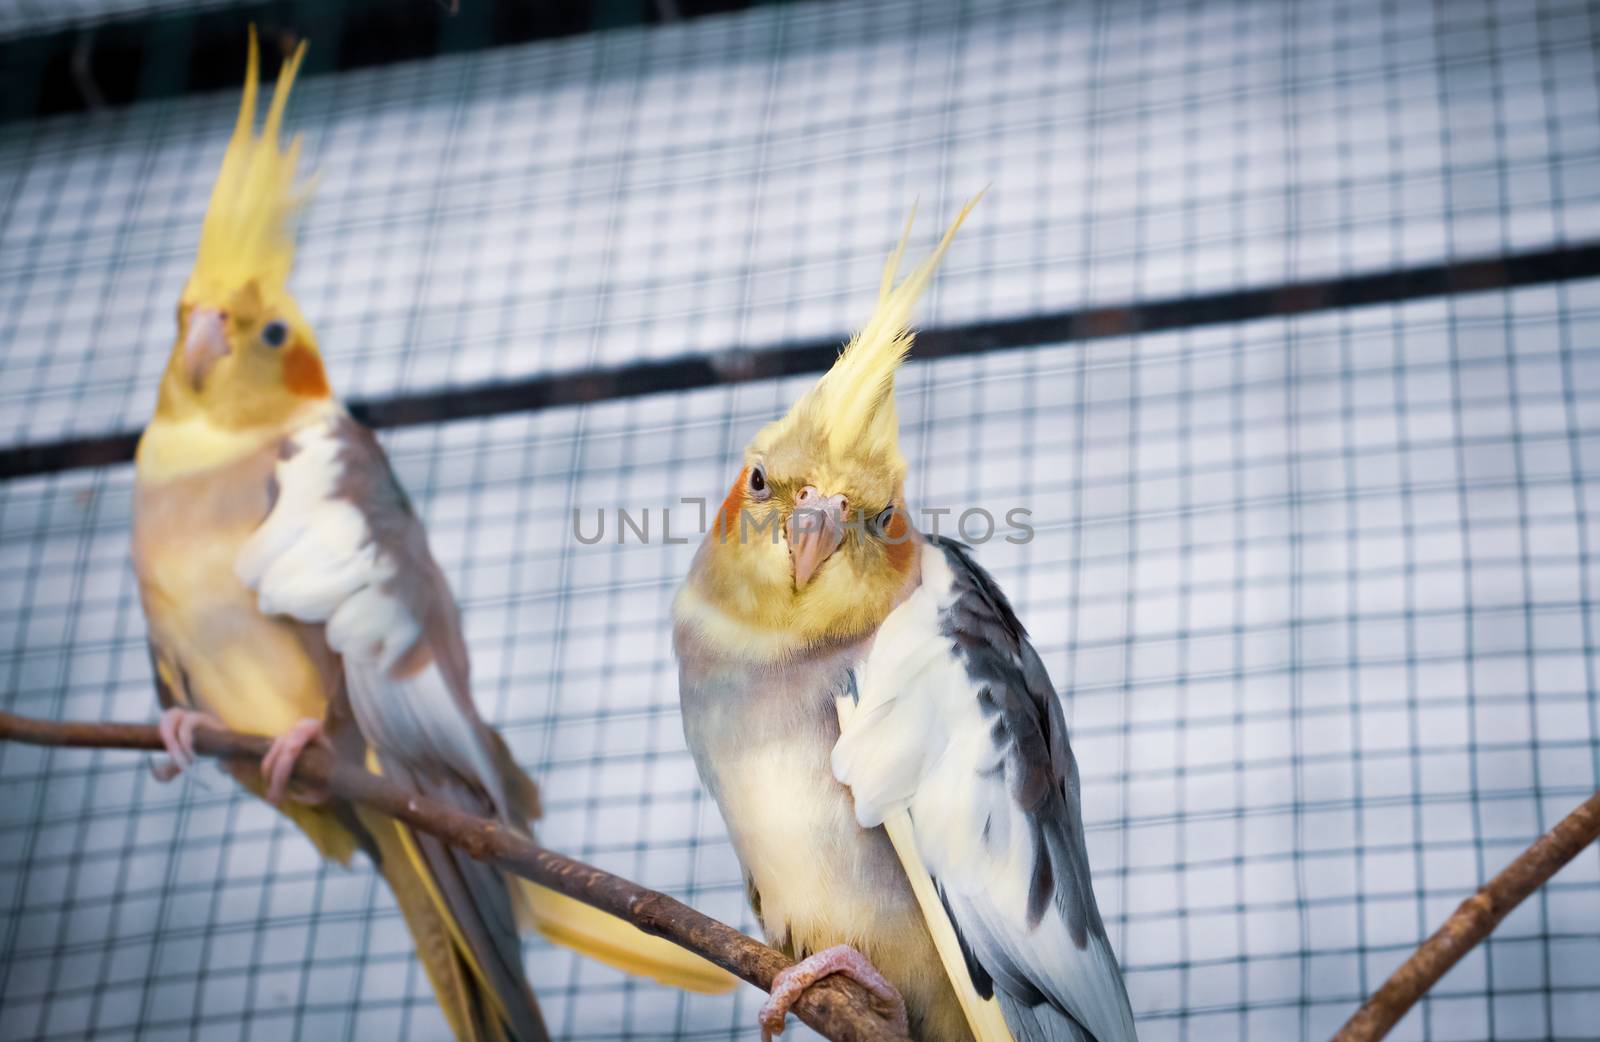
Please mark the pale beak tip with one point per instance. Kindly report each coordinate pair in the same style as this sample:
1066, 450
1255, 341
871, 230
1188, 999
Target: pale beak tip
814, 535
205, 344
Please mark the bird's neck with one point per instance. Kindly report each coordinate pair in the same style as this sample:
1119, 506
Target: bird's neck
760, 625
178, 443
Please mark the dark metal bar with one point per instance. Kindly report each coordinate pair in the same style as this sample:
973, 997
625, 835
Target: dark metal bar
156, 54
688, 372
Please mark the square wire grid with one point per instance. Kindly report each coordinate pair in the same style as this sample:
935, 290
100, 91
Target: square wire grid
19, 18
1319, 592
732, 183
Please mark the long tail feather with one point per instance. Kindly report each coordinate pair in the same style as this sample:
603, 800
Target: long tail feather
436, 948
619, 944
589, 931
462, 915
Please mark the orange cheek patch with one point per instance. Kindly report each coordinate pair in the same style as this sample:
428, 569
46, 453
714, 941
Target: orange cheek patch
727, 523
897, 545
302, 373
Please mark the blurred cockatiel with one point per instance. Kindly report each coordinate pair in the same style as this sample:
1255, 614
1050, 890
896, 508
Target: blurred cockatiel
841, 671
291, 593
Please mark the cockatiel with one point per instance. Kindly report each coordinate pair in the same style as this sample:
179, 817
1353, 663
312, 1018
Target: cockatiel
290, 593
840, 671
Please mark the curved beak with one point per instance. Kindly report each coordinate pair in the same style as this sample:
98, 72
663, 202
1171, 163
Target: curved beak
816, 528
205, 344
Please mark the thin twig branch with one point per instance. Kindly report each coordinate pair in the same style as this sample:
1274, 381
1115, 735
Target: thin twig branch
837, 1007
1472, 922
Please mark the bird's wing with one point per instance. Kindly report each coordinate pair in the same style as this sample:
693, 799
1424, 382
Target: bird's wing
342, 547
958, 736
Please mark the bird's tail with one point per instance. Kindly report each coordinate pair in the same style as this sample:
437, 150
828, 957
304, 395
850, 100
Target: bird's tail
462, 916
618, 943
570, 923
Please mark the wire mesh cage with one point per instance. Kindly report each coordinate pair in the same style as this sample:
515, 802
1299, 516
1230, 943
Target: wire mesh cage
1280, 321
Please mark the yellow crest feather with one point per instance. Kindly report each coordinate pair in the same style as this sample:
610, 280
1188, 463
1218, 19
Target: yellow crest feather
854, 401
248, 232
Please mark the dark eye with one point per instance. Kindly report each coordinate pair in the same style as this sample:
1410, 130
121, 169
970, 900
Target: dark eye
880, 524
758, 482
274, 333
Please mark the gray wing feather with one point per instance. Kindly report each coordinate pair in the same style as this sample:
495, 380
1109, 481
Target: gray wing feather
479, 902
1027, 723
343, 549
1035, 1022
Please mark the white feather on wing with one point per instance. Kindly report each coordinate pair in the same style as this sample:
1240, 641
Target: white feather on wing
341, 547
953, 730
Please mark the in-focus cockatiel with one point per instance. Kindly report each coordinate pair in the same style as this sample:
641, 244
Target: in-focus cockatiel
290, 593
840, 671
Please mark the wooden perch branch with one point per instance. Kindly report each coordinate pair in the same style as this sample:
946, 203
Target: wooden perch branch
837, 1007
1472, 922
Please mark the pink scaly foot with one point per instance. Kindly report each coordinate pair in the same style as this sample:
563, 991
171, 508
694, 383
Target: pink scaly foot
177, 729
278, 764
788, 985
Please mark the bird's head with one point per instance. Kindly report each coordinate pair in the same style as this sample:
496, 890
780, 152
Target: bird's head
245, 356
813, 541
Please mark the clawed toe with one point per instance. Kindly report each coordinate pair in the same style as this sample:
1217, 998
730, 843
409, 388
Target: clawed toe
789, 985
177, 728
278, 764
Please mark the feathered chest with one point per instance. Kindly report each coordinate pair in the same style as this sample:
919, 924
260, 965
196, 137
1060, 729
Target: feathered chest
187, 533
762, 739
258, 672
